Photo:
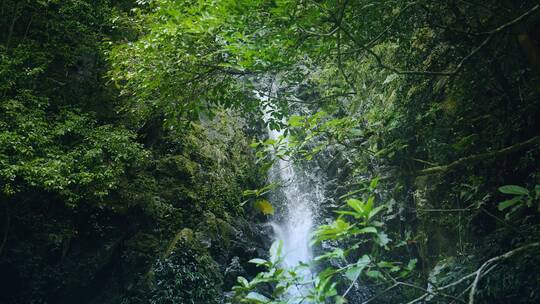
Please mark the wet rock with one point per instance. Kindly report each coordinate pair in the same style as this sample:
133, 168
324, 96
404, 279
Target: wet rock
233, 271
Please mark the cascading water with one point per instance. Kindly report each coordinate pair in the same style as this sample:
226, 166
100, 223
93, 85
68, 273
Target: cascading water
295, 228
300, 196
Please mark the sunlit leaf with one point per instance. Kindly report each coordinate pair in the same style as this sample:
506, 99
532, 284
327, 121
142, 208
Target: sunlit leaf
264, 206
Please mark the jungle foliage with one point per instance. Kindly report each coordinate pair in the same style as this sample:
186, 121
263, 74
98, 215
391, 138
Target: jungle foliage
123, 123
91, 195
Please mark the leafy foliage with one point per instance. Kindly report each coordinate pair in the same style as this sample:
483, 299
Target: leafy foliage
188, 275
120, 125
279, 284
91, 194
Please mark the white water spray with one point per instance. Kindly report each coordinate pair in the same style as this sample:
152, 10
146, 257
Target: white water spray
296, 226
301, 197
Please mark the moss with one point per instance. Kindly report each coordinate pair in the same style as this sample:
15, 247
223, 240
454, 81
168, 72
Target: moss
187, 275
185, 235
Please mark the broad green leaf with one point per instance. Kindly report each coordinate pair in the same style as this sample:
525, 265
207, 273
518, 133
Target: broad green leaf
357, 205
270, 142
375, 211
513, 189
337, 253
258, 261
390, 78
351, 213
368, 229
509, 203
369, 204
275, 252
296, 121
375, 274
412, 264
255, 297
353, 272
243, 281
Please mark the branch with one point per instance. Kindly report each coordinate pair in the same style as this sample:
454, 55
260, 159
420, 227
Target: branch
535, 141
481, 272
490, 262
427, 293
491, 34
380, 62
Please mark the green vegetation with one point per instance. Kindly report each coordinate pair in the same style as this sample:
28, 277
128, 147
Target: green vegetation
91, 193
133, 155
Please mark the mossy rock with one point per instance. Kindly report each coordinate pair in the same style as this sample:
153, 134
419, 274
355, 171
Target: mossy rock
187, 275
185, 235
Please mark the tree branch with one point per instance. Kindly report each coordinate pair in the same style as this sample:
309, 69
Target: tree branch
462, 62
490, 262
481, 272
535, 141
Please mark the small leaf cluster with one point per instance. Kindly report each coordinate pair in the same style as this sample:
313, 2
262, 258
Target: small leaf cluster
521, 198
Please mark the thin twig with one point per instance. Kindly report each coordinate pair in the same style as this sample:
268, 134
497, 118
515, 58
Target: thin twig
491, 262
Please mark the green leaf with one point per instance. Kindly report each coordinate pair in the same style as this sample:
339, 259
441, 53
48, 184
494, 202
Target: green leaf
369, 205
374, 212
390, 78
337, 253
270, 142
375, 274
249, 192
368, 229
275, 252
357, 205
264, 206
353, 272
509, 203
374, 183
411, 264
351, 213
258, 261
255, 297
243, 282
296, 121
513, 189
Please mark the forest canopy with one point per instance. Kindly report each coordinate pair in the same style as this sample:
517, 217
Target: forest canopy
136, 153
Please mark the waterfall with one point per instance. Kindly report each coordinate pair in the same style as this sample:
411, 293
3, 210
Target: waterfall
300, 196
295, 227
